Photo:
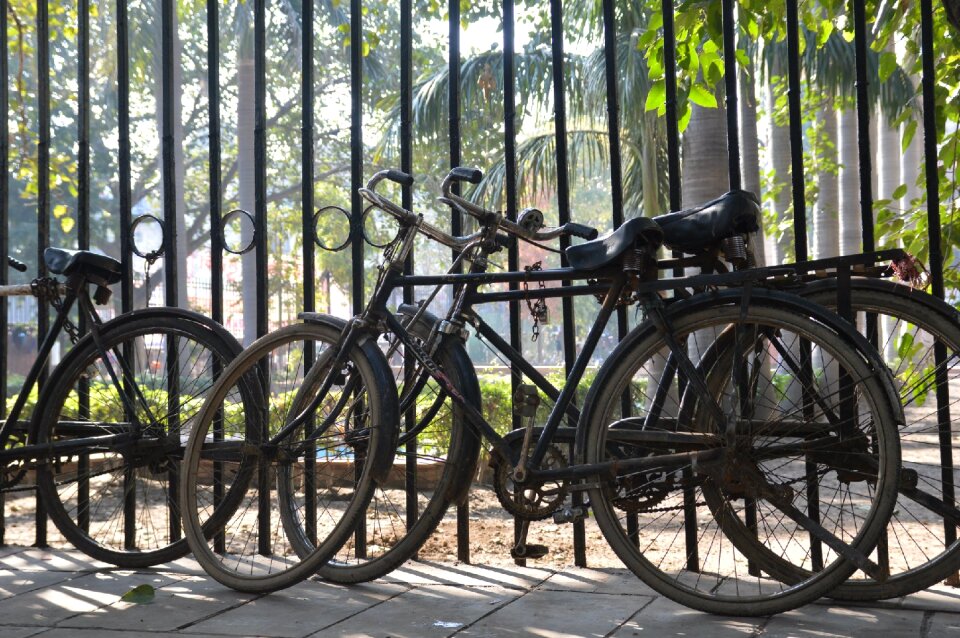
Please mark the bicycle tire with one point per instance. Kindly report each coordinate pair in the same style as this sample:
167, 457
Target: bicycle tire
435, 466
915, 532
674, 501
118, 504
233, 517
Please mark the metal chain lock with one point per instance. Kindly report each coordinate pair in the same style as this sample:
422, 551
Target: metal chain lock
538, 308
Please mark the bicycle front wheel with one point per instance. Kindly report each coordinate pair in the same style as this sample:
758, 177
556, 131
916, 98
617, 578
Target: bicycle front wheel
114, 495
800, 470
307, 458
435, 463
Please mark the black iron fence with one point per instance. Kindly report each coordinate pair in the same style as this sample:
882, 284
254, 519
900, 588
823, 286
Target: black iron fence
50, 21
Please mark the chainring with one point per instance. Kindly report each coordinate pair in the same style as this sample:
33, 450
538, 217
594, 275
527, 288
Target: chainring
535, 500
641, 491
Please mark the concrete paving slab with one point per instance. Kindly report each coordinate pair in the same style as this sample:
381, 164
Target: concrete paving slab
820, 621
425, 612
559, 614
40, 559
19, 632
421, 573
13, 583
177, 603
943, 625
98, 633
597, 581
298, 611
663, 617
936, 598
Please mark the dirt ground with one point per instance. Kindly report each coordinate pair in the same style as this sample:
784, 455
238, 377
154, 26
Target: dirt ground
491, 534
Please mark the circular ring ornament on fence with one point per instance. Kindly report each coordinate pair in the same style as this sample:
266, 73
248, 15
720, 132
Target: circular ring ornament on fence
147, 231
379, 227
234, 227
334, 222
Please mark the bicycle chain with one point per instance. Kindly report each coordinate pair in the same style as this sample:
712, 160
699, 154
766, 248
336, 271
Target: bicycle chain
48, 289
538, 309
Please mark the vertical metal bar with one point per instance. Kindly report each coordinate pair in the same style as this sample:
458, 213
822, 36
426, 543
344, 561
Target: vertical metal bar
309, 262
83, 228
456, 221
563, 198
43, 198
673, 130
260, 219
356, 181
510, 165
616, 196
214, 146
730, 82
170, 261
929, 82
123, 155
4, 233
796, 132
406, 165
676, 203
216, 226
168, 158
356, 152
863, 123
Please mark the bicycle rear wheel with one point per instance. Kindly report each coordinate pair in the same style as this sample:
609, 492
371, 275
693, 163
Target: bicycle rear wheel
117, 501
920, 545
310, 455
704, 531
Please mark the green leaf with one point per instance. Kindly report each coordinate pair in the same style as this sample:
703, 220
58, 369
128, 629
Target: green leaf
899, 191
908, 132
657, 96
888, 64
702, 97
67, 224
59, 210
139, 595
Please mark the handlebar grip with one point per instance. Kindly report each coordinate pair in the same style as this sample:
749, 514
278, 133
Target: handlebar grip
465, 174
16, 264
399, 177
581, 230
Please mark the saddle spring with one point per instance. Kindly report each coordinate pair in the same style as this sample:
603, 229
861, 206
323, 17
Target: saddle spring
735, 250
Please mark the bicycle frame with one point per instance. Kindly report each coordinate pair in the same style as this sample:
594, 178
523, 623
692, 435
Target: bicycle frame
76, 294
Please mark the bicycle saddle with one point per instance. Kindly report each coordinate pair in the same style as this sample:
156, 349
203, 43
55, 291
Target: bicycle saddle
606, 249
98, 269
693, 229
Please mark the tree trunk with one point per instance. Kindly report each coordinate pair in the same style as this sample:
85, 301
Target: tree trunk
779, 158
888, 179
849, 180
750, 149
826, 218
245, 178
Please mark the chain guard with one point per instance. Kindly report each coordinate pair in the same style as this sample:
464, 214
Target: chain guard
536, 500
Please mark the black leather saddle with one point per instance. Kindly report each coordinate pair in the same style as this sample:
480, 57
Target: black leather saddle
694, 229
96, 268
607, 249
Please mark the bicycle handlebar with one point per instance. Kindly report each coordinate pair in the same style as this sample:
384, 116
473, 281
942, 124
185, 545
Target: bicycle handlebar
487, 217
16, 264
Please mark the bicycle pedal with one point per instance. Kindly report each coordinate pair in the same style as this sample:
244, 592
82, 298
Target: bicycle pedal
532, 551
570, 514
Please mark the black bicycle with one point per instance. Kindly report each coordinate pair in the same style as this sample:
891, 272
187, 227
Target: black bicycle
650, 453
105, 434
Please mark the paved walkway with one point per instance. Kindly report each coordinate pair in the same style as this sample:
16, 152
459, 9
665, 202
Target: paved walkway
53, 593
